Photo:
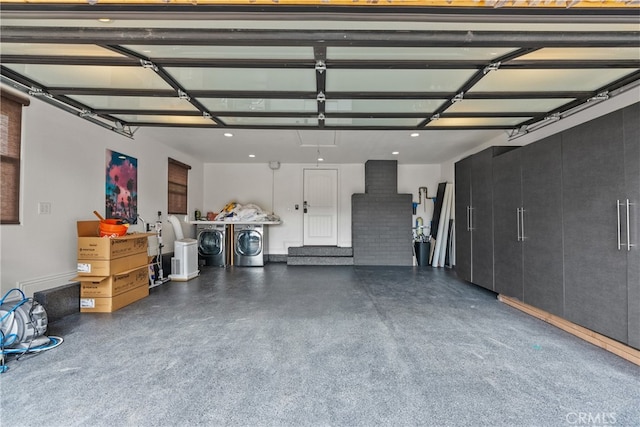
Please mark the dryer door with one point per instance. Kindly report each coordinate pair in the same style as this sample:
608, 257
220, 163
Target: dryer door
210, 243
248, 243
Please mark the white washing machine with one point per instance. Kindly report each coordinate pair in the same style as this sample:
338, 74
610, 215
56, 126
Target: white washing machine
212, 244
248, 245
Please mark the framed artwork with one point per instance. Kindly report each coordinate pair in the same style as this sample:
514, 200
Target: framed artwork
121, 190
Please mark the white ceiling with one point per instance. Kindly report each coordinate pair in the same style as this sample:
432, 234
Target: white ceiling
291, 146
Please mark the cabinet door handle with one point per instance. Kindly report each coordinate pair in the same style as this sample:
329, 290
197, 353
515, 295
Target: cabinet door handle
468, 218
628, 230
619, 228
522, 224
518, 222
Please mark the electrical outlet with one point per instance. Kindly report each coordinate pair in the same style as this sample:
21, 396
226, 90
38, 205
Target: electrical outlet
44, 208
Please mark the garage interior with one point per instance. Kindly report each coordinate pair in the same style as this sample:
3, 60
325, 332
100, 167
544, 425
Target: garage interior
381, 342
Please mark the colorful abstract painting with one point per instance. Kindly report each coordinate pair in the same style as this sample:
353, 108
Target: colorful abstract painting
121, 195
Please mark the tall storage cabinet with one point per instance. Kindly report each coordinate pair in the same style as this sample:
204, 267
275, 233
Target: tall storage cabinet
631, 134
474, 216
542, 225
527, 200
593, 160
462, 213
507, 217
561, 228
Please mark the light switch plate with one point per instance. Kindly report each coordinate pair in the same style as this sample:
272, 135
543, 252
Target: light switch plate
44, 208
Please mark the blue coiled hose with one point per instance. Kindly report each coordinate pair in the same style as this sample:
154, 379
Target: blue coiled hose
11, 339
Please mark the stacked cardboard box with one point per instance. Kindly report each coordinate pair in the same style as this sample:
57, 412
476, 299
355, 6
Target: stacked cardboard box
113, 272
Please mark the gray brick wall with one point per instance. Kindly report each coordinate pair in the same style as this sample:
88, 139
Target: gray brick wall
381, 177
381, 227
381, 218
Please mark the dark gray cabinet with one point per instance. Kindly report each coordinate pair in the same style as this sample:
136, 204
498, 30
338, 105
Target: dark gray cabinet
474, 216
507, 217
631, 135
561, 230
462, 214
527, 194
481, 218
595, 266
542, 225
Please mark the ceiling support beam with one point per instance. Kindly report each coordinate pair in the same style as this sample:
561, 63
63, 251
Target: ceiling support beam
236, 37
399, 64
313, 95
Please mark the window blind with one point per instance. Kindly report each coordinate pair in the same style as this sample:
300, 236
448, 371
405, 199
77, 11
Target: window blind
10, 138
178, 185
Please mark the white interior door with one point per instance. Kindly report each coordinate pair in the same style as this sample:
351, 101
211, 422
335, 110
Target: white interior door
320, 207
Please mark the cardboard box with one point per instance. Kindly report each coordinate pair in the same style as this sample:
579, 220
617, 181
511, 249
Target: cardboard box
109, 305
105, 268
91, 246
103, 287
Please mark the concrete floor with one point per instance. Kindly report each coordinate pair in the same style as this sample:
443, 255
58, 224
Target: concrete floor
318, 346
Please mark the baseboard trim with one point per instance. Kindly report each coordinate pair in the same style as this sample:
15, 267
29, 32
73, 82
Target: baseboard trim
606, 343
31, 286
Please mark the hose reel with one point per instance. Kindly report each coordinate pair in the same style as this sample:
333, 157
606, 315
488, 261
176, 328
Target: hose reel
22, 322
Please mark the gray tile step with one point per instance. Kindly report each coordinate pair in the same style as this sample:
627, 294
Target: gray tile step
319, 260
324, 251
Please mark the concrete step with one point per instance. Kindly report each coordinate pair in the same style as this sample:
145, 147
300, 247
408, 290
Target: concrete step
319, 260
320, 251
319, 255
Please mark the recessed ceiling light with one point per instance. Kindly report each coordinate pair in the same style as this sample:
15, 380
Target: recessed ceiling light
413, 135
395, 153
252, 155
320, 159
228, 134
105, 20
